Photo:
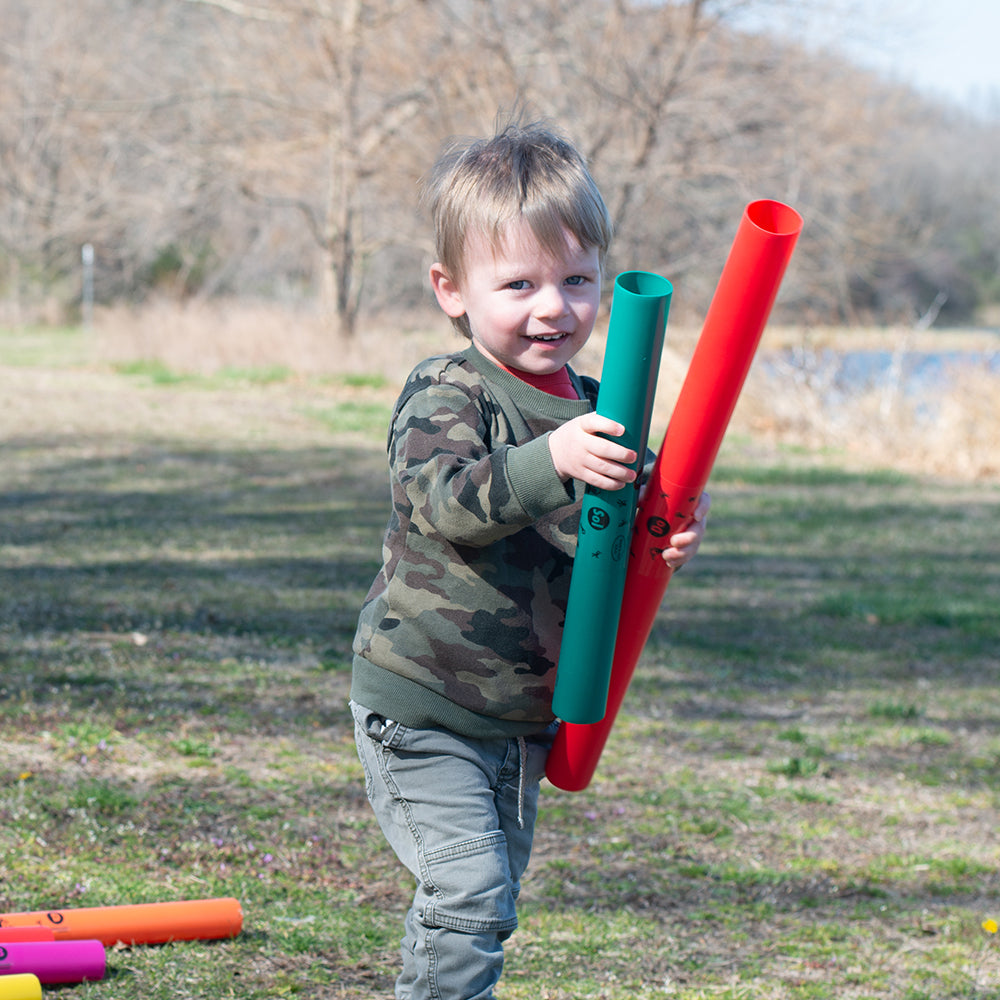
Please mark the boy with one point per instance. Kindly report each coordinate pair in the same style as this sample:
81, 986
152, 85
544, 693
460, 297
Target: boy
489, 449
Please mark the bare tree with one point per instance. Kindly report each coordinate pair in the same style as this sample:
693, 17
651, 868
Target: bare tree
261, 146
328, 95
57, 171
91, 134
659, 96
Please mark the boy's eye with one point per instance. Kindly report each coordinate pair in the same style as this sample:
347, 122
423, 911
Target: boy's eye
518, 286
576, 279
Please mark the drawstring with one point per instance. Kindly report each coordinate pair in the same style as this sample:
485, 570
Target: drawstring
522, 751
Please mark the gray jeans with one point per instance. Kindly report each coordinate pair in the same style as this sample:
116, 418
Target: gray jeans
460, 815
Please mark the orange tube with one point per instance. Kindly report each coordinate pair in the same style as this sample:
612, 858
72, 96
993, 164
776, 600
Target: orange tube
140, 923
733, 327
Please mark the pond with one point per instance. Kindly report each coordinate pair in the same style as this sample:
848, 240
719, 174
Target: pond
845, 374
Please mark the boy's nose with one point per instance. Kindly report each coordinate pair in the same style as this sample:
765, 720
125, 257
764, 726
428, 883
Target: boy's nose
550, 302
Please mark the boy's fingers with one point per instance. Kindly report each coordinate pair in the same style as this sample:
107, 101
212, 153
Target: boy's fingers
704, 505
620, 455
613, 450
682, 539
597, 424
609, 475
613, 472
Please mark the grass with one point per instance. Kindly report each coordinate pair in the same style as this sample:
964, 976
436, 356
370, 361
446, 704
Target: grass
798, 801
161, 374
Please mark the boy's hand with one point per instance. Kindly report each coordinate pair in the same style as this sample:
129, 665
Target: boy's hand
579, 452
684, 545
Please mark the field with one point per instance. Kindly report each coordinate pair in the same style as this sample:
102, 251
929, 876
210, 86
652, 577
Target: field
800, 799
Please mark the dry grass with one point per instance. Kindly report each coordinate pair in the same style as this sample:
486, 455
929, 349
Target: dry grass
947, 428
789, 398
208, 337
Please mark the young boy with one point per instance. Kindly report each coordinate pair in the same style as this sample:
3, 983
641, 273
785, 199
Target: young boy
490, 449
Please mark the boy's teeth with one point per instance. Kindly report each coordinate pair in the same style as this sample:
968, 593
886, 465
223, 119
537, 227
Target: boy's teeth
554, 336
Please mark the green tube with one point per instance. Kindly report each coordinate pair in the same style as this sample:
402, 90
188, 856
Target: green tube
636, 330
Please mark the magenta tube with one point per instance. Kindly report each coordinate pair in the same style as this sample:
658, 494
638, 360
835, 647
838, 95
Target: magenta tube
54, 961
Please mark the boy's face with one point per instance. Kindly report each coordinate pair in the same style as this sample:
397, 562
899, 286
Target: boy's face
526, 308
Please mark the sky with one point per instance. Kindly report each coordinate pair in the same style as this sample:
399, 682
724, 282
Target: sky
946, 48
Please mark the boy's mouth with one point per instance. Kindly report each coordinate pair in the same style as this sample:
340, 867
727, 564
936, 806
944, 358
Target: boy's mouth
547, 338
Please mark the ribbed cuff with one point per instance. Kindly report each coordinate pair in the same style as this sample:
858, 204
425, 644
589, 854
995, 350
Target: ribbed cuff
534, 480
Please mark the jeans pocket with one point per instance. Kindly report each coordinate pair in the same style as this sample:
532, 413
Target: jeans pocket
367, 724
378, 728
472, 889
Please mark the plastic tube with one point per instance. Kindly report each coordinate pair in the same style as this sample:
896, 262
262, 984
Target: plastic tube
54, 961
140, 923
36, 933
636, 328
20, 986
733, 327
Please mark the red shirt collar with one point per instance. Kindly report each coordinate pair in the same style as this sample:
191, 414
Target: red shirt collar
555, 384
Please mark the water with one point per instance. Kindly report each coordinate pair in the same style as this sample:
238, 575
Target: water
841, 375
918, 371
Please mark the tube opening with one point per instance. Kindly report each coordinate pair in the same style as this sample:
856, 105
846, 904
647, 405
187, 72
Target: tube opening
774, 218
644, 283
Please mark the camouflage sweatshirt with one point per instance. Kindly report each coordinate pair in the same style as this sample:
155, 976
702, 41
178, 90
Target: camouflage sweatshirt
462, 625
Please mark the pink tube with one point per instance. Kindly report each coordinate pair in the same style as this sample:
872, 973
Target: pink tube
54, 961
733, 327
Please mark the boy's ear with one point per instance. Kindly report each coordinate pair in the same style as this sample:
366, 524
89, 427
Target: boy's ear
446, 292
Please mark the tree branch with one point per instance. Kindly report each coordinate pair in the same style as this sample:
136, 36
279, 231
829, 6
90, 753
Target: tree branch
243, 10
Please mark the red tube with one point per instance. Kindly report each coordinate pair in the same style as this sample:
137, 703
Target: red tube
733, 327
139, 923
26, 934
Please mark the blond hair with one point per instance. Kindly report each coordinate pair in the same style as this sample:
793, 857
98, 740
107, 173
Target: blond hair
523, 172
